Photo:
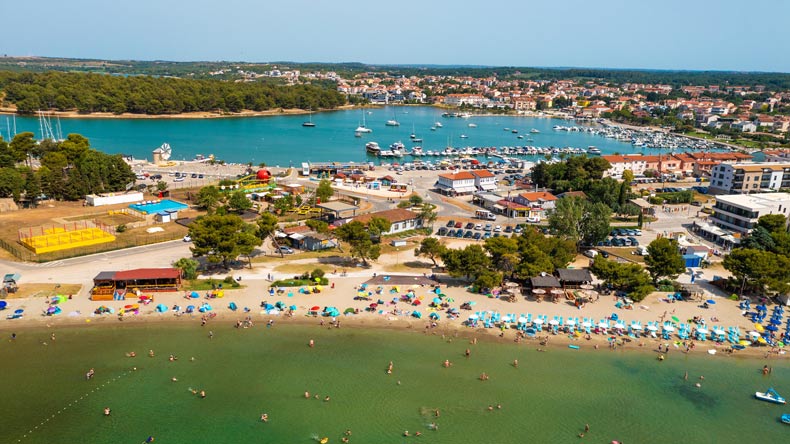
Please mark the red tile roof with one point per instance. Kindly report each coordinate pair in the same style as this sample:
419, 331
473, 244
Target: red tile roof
483, 173
461, 175
147, 273
532, 197
393, 215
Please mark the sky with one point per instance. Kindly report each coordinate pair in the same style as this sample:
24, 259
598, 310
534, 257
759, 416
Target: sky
644, 34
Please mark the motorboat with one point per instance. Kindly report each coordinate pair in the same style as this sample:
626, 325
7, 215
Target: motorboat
464, 136
372, 148
593, 150
357, 134
770, 395
472, 125
534, 131
438, 124
786, 418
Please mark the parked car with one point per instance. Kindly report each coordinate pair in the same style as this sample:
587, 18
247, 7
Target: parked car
470, 226
187, 238
487, 227
477, 236
605, 254
286, 250
459, 233
479, 227
459, 224
450, 224
591, 253
487, 235
451, 233
468, 234
637, 232
508, 229
442, 231
498, 229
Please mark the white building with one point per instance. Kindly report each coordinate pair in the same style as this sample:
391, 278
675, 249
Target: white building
485, 180
637, 164
740, 212
462, 182
400, 219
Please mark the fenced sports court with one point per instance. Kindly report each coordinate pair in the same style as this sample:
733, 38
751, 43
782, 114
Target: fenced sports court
46, 239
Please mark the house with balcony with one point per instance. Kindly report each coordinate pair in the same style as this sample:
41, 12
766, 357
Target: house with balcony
485, 180
454, 184
745, 178
739, 212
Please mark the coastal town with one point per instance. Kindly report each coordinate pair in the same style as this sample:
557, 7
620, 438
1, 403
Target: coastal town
345, 252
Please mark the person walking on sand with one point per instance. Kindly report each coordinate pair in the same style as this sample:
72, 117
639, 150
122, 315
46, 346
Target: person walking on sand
515, 363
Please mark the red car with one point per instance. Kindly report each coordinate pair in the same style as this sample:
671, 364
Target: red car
459, 225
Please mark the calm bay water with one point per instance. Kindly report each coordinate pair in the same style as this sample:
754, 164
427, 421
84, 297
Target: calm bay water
627, 396
279, 140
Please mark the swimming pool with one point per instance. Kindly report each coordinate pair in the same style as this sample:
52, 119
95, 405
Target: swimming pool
157, 206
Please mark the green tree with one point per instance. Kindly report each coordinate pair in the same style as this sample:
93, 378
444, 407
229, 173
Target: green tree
469, 262
431, 248
664, 259
630, 278
415, 200
773, 222
267, 224
378, 226
628, 176
324, 191
488, 279
161, 185
11, 183
238, 202
504, 253
318, 226
759, 239
428, 215
188, 267
358, 238
760, 271
22, 146
209, 198
580, 220
221, 238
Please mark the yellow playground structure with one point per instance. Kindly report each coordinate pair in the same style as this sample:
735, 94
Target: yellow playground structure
65, 236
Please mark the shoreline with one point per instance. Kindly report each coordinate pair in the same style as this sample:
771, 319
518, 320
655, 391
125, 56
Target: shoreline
453, 329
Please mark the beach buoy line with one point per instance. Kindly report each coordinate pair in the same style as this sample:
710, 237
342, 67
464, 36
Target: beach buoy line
62, 410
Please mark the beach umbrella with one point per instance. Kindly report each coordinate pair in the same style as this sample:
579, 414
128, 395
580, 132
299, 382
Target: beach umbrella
373, 305
775, 321
652, 327
317, 280
523, 320
416, 314
771, 328
761, 340
711, 302
472, 303
194, 295
51, 310
586, 324
348, 310
669, 328
292, 307
474, 317
619, 325
554, 322
703, 331
570, 322
437, 301
315, 308
434, 316
506, 318
759, 328
3, 305
754, 334
603, 324
161, 308
675, 318
719, 331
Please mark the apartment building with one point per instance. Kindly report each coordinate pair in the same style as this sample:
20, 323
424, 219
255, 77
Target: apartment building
745, 178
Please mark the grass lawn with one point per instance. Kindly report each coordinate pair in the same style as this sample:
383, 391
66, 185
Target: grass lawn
623, 252
209, 284
298, 269
44, 290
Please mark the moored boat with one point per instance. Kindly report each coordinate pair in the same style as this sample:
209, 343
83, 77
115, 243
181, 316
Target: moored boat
372, 148
770, 395
786, 418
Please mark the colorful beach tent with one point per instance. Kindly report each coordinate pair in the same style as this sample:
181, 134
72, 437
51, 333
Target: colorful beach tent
161, 308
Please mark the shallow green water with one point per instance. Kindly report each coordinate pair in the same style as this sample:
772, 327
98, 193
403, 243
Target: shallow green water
548, 398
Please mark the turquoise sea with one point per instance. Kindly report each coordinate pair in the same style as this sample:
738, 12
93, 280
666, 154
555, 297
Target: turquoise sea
627, 396
280, 140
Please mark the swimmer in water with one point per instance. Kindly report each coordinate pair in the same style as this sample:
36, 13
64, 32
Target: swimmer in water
311, 343
106, 411
447, 363
468, 353
326, 399
405, 433
490, 408
515, 363
202, 393
151, 353
265, 417
306, 395
174, 379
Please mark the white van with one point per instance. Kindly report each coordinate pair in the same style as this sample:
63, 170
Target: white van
591, 253
641, 250
485, 215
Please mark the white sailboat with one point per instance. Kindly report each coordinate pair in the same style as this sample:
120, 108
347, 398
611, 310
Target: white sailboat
362, 128
393, 121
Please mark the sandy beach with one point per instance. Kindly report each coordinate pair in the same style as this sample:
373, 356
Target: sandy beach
341, 294
194, 115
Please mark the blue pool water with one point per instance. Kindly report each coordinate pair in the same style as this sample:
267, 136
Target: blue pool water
163, 205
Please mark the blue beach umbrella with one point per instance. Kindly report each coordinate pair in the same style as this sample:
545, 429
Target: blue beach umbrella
771, 328
437, 301
433, 316
19, 311
194, 295
711, 302
416, 314
3, 305
775, 321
